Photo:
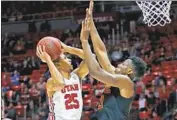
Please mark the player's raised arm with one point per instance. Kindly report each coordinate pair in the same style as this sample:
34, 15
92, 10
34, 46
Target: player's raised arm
120, 81
57, 78
82, 70
98, 44
72, 50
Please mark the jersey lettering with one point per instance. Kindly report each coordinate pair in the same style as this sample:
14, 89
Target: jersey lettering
69, 88
51, 108
71, 101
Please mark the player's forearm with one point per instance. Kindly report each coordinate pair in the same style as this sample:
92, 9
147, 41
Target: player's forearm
75, 51
92, 64
55, 74
97, 42
100, 49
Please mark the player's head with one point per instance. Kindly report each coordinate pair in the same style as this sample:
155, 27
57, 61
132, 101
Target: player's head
64, 63
133, 66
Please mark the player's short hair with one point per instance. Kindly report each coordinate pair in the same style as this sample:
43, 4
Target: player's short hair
57, 61
139, 66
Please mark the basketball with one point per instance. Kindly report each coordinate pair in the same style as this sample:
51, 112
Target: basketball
52, 46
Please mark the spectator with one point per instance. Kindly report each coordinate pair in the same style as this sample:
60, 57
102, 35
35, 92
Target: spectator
11, 112
34, 93
155, 116
15, 78
22, 86
171, 100
154, 35
175, 116
159, 78
37, 117
26, 80
32, 27
45, 26
19, 47
142, 102
69, 40
25, 97
116, 54
125, 50
41, 87
43, 112
151, 99
15, 98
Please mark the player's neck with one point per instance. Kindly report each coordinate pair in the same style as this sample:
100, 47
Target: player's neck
65, 74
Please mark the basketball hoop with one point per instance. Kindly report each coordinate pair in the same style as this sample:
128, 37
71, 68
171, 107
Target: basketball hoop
155, 12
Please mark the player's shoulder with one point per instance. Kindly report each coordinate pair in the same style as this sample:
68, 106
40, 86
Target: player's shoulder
49, 83
74, 75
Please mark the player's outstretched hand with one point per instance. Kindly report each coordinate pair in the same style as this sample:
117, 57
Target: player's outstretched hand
42, 54
89, 11
64, 47
85, 30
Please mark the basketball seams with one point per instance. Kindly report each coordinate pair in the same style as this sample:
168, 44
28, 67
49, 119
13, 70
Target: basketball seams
53, 47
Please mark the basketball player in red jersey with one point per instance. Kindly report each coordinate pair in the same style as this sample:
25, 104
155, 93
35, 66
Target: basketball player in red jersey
64, 86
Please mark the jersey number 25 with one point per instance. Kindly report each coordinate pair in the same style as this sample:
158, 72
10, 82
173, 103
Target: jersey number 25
71, 101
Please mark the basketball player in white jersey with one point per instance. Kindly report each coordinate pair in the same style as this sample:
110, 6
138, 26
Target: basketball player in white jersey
64, 86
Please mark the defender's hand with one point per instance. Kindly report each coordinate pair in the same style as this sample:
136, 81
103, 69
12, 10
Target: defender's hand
89, 11
85, 30
64, 47
42, 54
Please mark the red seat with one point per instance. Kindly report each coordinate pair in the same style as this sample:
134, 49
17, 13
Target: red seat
87, 102
143, 115
165, 64
42, 71
16, 87
168, 75
148, 78
35, 78
100, 86
9, 94
169, 54
87, 113
173, 62
94, 102
6, 82
174, 45
156, 68
36, 72
42, 66
168, 69
174, 75
172, 37
87, 96
135, 104
20, 110
139, 89
86, 87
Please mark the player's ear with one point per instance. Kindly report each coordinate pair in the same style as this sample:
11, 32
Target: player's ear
130, 71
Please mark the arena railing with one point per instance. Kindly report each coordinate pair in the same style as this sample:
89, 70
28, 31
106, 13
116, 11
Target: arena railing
101, 7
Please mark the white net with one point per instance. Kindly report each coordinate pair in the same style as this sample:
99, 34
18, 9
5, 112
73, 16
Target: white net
155, 12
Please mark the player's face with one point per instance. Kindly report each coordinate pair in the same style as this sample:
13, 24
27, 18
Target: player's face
65, 63
125, 67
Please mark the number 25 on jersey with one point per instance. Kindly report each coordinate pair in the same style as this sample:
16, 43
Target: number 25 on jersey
71, 101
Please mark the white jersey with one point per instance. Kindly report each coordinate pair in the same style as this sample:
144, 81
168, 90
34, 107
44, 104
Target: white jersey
67, 104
